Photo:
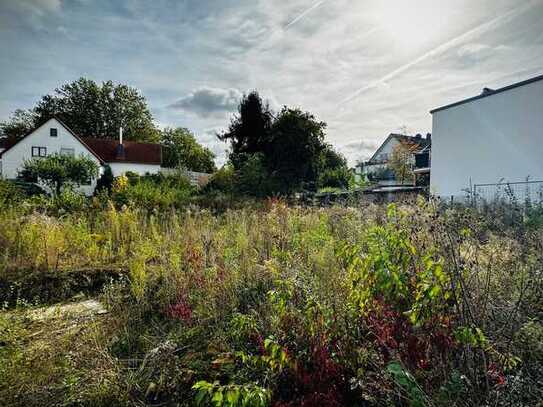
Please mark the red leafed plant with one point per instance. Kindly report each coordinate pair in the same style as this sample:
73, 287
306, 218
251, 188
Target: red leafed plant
420, 347
181, 310
320, 381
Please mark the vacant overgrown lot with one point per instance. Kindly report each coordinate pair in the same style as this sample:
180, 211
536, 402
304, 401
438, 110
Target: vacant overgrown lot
410, 305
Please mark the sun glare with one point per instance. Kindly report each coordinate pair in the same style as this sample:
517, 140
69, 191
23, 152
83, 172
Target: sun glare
409, 23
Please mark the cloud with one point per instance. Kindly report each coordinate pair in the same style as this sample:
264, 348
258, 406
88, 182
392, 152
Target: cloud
327, 52
39, 7
446, 46
360, 149
207, 102
210, 135
476, 52
209, 139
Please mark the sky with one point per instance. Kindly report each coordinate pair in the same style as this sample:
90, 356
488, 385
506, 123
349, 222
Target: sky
365, 67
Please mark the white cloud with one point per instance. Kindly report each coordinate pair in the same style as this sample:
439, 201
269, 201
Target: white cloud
322, 58
476, 52
207, 101
36, 6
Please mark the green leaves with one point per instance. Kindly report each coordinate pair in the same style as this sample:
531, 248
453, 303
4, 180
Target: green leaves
59, 170
389, 267
470, 336
408, 384
181, 150
232, 395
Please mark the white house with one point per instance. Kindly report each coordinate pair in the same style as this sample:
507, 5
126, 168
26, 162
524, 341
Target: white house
495, 137
377, 167
53, 136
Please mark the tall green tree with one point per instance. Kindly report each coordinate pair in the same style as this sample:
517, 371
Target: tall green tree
90, 109
20, 123
249, 130
180, 149
334, 171
295, 152
283, 153
58, 171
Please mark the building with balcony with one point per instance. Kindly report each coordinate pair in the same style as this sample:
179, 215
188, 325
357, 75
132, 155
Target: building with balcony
377, 169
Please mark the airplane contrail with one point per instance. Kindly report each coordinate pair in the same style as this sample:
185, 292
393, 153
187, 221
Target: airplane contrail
303, 14
442, 48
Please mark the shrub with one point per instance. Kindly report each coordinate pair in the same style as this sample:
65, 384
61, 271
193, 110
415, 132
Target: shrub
58, 170
9, 193
152, 191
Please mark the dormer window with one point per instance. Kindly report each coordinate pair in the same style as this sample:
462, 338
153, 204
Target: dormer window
53, 132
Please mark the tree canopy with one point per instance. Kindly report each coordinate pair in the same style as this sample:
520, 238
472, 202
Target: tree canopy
401, 161
58, 171
250, 129
180, 149
89, 109
281, 153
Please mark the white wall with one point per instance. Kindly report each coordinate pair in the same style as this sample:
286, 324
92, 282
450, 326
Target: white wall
141, 169
483, 141
14, 158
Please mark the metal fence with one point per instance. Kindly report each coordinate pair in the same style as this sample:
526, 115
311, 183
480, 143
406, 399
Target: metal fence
526, 193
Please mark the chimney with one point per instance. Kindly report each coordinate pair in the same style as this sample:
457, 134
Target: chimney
119, 151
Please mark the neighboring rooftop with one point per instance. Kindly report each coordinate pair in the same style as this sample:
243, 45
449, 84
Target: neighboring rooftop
6, 143
489, 92
420, 141
106, 150
141, 153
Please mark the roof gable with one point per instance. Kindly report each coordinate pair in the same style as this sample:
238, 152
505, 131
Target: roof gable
416, 142
59, 122
105, 150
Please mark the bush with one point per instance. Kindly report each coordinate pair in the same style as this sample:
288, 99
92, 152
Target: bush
10, 193
67, 201
58, 171
222, 181
152, 191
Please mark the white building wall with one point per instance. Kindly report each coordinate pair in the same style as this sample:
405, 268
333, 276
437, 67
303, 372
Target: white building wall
141, 169
498, 137
14, 158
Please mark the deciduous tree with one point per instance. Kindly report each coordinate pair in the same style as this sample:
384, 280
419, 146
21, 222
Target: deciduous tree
58, 171
90, 109
401, 161
180, 149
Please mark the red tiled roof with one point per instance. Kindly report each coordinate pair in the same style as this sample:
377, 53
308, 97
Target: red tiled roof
6, 143
141, 153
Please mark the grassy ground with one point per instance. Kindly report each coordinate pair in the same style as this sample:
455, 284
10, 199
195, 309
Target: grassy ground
272, 305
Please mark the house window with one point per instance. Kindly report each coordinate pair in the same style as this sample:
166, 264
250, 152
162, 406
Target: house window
67, 151
39, 151
53, 132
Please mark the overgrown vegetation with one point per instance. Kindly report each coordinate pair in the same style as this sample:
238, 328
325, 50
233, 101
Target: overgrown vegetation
269, 304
